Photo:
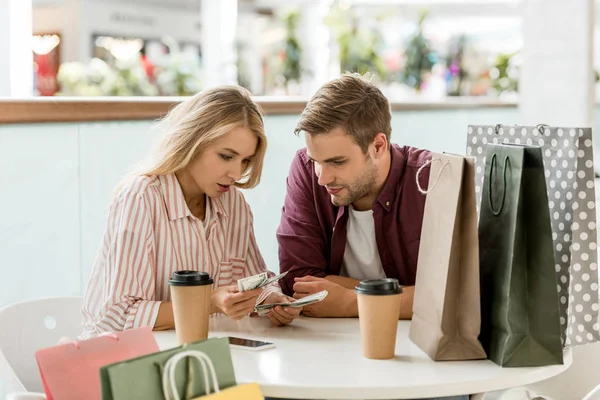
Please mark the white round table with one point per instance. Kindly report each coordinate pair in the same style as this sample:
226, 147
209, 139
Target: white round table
322, 359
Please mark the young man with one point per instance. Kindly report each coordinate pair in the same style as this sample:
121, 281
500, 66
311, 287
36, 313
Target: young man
352, 210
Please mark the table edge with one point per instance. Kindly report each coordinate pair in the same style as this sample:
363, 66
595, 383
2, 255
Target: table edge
336, 393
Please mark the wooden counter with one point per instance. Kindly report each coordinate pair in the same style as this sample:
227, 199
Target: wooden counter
88, 109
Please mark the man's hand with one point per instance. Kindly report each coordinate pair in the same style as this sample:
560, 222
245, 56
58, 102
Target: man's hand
233, 303
280, 316
339, 303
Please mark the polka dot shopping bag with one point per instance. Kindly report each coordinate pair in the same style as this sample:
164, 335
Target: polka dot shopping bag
569, 170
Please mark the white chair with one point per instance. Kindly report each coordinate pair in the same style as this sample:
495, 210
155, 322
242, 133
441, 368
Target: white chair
27, 327
594, 394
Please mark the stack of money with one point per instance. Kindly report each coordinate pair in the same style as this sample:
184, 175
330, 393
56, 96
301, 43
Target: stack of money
263, 309
257, 281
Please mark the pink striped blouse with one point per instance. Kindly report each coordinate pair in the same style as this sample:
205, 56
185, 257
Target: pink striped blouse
151, 233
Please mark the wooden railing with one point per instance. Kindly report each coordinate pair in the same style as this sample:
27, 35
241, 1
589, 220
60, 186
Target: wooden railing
74, 109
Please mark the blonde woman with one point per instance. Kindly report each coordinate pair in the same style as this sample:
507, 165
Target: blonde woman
184, 211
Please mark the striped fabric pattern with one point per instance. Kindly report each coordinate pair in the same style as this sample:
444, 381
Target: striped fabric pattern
151, 233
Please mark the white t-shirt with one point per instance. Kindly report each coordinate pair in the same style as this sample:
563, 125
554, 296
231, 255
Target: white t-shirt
361, 257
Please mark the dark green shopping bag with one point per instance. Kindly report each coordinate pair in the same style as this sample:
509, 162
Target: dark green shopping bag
520, 323
141, 378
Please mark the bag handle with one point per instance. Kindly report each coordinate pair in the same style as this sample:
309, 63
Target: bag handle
432, 185
208, 373
541, 128
492, 164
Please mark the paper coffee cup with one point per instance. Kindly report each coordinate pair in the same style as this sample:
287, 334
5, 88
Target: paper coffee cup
378, 311
191, 296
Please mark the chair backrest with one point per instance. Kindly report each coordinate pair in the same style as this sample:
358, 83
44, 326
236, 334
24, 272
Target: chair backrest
594, 394
32, 325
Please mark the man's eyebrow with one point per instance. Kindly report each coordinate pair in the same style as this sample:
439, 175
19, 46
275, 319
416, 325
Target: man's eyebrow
329, 160
335, 159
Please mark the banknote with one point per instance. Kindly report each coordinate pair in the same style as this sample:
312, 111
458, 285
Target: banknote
273, 279
258, 281
251, 282
263, 309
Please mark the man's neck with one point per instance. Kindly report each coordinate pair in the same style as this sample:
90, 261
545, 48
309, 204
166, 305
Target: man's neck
383, 170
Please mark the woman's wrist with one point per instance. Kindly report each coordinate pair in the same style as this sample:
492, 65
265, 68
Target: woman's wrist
164, 319
216, 300
213, 304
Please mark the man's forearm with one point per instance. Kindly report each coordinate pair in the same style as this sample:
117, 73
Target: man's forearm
350, 306
348, 283
406, 302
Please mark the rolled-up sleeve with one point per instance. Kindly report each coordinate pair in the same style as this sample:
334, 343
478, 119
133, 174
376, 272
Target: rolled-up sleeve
121, 290
302, 246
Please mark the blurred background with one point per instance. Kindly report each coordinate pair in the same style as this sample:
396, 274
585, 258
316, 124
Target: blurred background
416, 49
82, 83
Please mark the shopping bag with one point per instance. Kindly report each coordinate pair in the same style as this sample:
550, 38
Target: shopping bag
71, 370
446, 311
249, 391
519, 301
569, 172
116, 378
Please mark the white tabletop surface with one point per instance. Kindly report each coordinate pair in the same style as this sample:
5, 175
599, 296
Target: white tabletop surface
322, 359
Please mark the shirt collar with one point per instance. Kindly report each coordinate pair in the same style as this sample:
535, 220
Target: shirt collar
175, 201
397, 164
173, 196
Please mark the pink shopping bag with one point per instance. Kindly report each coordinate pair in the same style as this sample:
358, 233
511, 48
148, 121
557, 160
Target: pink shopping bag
71, 369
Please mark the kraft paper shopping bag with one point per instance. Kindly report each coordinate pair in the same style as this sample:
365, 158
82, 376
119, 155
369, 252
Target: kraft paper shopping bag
446, 312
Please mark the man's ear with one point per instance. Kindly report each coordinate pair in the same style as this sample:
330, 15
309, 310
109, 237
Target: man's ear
380, 144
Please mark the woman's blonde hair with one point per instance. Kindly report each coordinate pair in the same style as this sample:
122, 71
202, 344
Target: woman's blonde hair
199, 121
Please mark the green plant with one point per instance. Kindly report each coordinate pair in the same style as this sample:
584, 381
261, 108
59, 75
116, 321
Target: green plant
125, 78
284, 65
178, 73
292, 52
359, 48
243, 75
419, 57
504, 74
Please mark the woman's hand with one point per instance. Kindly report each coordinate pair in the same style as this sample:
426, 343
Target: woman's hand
233, 303
280, 316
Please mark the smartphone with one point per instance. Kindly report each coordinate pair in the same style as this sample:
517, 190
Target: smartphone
249, 344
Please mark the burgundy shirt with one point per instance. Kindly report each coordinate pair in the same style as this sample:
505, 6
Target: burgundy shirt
312, 231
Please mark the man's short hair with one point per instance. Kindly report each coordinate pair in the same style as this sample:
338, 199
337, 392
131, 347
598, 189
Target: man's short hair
351, 102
